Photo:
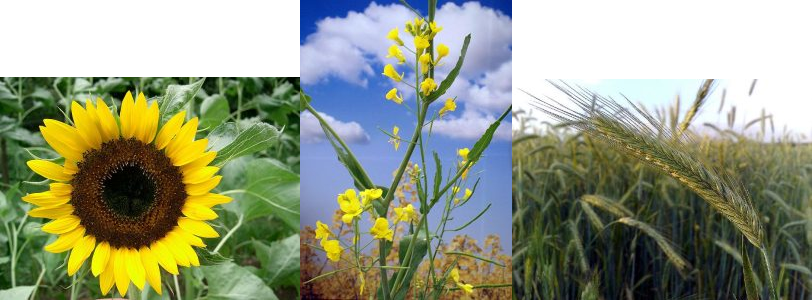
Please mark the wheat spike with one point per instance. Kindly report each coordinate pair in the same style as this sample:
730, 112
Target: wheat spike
639, 135
676, 259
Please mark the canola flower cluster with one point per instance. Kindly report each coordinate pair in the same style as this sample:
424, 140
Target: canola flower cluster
353, 204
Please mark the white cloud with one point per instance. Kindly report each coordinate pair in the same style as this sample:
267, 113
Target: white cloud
471, 125
350, 132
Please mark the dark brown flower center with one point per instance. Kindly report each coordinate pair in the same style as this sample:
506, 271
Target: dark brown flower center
127, 193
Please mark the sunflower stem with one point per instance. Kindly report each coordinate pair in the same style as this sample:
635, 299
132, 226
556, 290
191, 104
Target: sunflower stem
228, 235
177, 287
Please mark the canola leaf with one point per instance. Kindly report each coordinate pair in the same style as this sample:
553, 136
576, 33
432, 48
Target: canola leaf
230, 281
486, 138
176, 97
213, 111
280, 260
17, 293
256, 137
446, 83
412, 262
271, 190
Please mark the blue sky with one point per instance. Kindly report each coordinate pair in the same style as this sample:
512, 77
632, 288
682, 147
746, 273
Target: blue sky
354, 100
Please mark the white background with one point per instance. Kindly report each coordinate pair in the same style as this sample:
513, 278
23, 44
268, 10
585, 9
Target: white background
149, 38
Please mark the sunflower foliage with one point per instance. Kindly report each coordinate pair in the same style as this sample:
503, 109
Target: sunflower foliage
245, 151
395, 262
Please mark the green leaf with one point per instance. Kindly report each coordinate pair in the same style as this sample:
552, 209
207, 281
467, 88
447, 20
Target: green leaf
451, 75
17, 293
486, 138
749, 276
438, 174
213, 111
280, 260
271, 190
258, 137
176, 97
230, 281
412, 262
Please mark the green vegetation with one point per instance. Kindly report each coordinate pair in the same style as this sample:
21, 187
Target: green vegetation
252, 123
634, 204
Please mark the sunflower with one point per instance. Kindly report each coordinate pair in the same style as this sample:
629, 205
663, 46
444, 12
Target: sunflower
133, 195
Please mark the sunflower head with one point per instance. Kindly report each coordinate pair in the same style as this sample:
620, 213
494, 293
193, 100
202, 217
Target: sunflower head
130, 193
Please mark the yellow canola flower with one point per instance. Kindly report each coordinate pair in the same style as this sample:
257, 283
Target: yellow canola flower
464, 172
450, 105
425, 60
418, 22
463, 153
381, 229
322, 231
333, 249
395, 141
395, 52
428, 86
370, 194
393, 35
394, 96
405, 214
468, 193
455, 275
442, 51
434, 29
349, 204
420, 44
389, 71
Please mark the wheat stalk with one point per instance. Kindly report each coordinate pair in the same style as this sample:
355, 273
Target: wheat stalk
639, 135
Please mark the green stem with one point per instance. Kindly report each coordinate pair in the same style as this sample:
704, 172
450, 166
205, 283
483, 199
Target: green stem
769, 271
228, 235
177, 287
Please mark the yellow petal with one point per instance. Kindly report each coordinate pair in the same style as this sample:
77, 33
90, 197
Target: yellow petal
151, 269
87, 130
61, 189
66, 134
198, 228
66, 241
202, 161
100, 258
187, 250
135, 269
174, 247
70, 167
139, 120
107, 276
61, 225
46, 199
191, 239
80, 253
51, 212
164, 257
49, 170
120, 267
59, 146
198, 212
169, 130
190, 152
126, 116
93, 116
185, 136
208, 200
203, 187
107, 121
151, 123
199, 175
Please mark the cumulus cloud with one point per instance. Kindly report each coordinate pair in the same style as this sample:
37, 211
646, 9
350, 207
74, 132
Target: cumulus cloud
350, 132
471, 125
353, 49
